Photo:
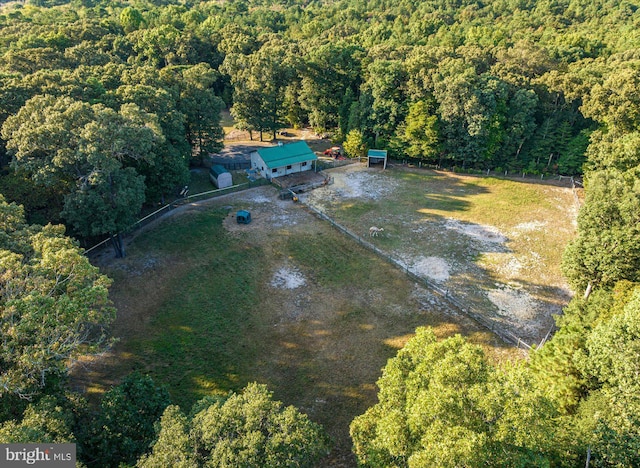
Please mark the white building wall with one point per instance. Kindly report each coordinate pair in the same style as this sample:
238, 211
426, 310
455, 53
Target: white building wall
258, 164
224, 180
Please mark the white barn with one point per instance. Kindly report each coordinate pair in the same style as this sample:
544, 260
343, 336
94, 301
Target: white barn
281, 160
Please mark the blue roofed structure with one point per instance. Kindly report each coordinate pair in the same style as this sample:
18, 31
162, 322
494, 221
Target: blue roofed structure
376, 156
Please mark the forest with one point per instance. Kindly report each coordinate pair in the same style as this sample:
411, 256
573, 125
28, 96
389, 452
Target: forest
105, 105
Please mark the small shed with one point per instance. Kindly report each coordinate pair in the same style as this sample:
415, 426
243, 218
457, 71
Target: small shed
243, 217
376, 156
220, 177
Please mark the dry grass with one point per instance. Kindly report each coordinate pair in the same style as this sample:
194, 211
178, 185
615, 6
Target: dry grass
495, 244
201, 309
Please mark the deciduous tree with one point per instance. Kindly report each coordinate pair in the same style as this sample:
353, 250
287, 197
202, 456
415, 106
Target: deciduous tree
248, 429
53, 303
85, 149
355, 145
123, 428
607, 248
442, 404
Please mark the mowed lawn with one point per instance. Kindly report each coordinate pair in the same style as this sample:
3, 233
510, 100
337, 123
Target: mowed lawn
203, 308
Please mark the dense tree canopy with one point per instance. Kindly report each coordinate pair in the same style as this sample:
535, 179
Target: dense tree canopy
501, 85
442, 404
53, 303
247, 429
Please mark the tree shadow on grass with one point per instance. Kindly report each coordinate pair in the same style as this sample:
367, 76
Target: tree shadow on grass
447, 252
453, 197
441, 192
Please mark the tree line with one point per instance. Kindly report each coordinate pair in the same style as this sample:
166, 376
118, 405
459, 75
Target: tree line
105, 105
497, 85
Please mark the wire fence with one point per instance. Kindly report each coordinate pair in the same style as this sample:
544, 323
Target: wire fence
322, 164
479, 318
511, 174
575, 183
180, 202
231, 165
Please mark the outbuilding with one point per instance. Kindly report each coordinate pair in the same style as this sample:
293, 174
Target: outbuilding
220, 177
376, 156
281, 160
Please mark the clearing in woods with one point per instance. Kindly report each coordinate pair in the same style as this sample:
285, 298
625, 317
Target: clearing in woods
206, 305
494, 244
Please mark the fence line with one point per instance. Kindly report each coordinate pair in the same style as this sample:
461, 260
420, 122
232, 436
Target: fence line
491, 325
232, 165
522, 174
574, 185
179, 202
333, 163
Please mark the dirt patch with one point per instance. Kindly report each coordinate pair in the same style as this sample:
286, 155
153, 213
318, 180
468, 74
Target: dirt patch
288, 278
530, 226
434, 268
268, 212
506, 272
479, 233
353, 181
520, 309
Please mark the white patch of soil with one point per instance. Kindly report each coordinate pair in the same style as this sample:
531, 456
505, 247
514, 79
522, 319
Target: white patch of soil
478, 232
530, 226
288, 278
514, 303
433, 268
255, 197
355, 181
511, 268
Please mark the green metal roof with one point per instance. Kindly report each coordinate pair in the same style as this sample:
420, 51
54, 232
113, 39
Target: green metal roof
217, 169
374, 153
285, 155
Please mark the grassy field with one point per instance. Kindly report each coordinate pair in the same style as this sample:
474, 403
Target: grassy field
200, 311
206, 305
496, 244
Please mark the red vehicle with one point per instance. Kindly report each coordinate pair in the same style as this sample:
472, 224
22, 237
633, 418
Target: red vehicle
335, 152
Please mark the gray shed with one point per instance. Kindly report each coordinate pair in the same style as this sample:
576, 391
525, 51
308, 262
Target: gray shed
220, 177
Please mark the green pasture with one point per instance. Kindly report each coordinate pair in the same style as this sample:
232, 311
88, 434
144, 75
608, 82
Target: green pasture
198, 312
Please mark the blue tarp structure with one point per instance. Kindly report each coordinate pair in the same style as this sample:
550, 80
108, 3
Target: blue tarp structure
243, 217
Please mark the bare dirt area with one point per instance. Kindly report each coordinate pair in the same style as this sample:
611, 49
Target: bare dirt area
495, 253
